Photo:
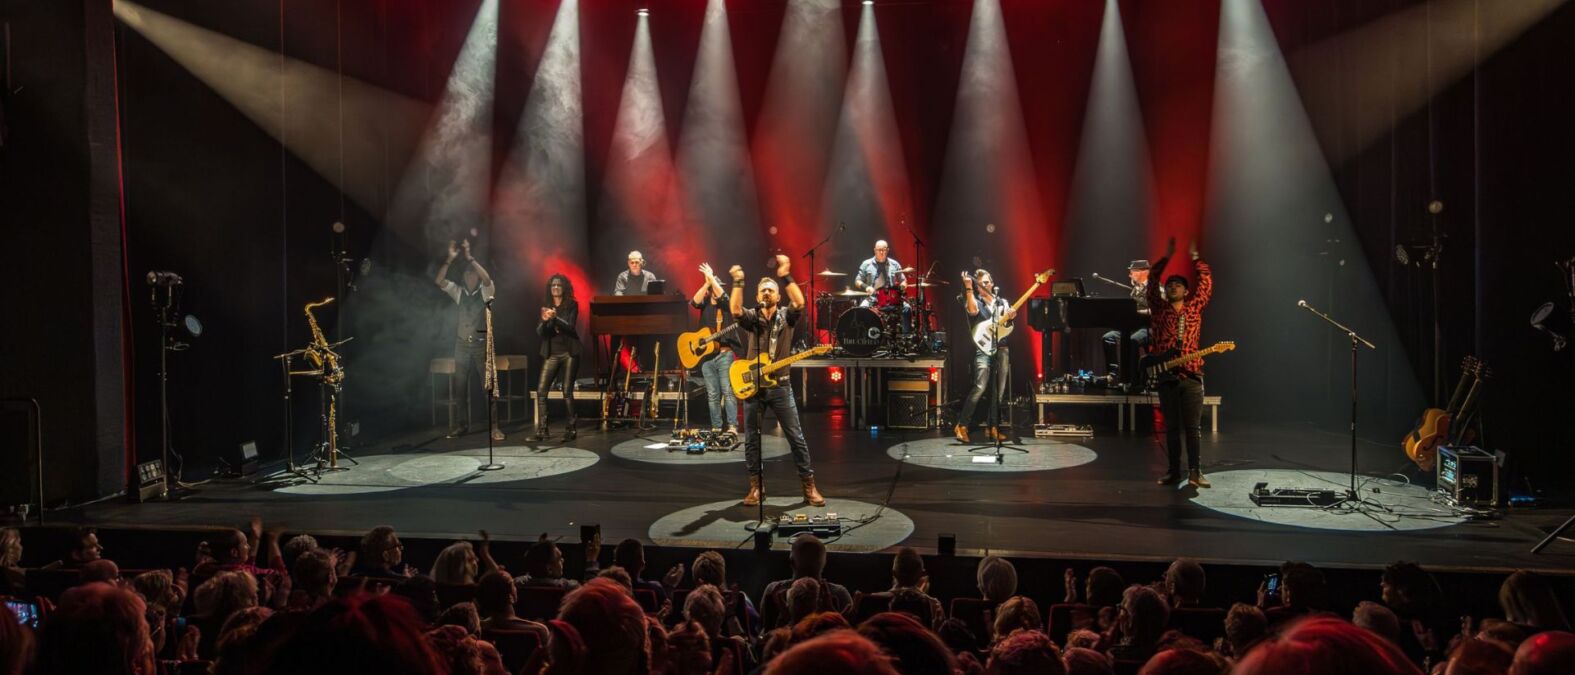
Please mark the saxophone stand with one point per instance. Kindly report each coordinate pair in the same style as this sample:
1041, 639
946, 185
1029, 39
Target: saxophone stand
492, 396
326, 453
999, 446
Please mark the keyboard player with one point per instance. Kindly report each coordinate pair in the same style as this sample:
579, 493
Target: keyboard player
1137, 274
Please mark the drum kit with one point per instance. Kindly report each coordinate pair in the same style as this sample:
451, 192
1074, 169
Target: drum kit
888, 321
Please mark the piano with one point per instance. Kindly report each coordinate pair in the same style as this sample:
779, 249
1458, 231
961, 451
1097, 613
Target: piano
1062, 314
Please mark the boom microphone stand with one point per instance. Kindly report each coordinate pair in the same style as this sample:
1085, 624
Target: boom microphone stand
1356, 341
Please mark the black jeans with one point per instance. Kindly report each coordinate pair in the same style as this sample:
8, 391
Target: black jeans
470, 358
557, 366
986, 368
1181, 402
1115, 355
779, 399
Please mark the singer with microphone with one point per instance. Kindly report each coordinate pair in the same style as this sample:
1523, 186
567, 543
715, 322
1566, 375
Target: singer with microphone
470, 337
1176, 322
982, 301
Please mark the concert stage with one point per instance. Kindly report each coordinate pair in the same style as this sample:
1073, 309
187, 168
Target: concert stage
1086, 499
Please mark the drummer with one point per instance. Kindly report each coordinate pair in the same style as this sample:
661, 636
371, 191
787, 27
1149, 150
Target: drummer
880, 272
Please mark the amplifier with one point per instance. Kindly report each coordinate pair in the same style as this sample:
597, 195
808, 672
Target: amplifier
1468, 476
908, 399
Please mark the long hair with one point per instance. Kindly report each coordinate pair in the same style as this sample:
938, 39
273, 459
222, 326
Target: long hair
568, 290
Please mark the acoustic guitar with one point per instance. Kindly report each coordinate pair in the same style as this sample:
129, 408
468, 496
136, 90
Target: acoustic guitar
751, 375
1433, 428
697, 346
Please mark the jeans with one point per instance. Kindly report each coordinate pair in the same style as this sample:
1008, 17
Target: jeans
719, 389
1181, 402
1113, 351
555, 367
779, 399
470, 358
984, 368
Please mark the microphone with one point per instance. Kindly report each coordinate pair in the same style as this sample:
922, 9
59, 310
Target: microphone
1301, 303
163, 278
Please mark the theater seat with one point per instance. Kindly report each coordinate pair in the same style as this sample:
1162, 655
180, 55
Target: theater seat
515, 646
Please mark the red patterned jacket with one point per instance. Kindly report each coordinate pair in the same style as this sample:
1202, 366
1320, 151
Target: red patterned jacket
1170, 328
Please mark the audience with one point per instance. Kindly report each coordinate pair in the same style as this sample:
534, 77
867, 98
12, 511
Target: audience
495, 598
1324, 645
13, 579
1546, 653
544, 566
1086, 661
1378, 619
1025, 652
463, 615
1245, 626
216, 600
314, 578
1184, 662
1141, 623
1303, 591
997, 579
100, 570
913, 648
840, 651
1184, 583
1017, 613
808, 559
612, 626
297, 545
361, 634
100, 629
16, 643
85, 548
1528, 600
382, 555
456, 565
630, 555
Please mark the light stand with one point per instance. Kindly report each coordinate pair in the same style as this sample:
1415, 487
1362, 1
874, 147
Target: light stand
1356, 342
343, 284
165, 292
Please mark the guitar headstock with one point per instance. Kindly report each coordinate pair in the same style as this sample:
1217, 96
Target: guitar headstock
1470, 364
1221, 347
817, 350
1043, 278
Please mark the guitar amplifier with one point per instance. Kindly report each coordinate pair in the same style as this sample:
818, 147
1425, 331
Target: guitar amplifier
908, 399
1468, 476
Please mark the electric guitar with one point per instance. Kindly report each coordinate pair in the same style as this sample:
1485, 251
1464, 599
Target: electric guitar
1165, 366
695, 347
1421, 445
989, 334
752, 375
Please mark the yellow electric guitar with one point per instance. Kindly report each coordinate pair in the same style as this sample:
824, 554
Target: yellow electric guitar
697, 346
750, 376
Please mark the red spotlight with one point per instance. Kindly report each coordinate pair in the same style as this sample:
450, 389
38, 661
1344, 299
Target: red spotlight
836, 375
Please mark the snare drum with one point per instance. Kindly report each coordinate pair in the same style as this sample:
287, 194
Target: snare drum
860, 331
888, 298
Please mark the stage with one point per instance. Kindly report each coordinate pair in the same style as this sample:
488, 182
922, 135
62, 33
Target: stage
1091, 499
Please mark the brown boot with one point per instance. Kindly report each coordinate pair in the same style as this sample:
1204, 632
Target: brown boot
961, 432
811, 495
756, 492
995, 434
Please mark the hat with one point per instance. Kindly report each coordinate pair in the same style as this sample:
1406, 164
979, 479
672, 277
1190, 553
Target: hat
1137, 265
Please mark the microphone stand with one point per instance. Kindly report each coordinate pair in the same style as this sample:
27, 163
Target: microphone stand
995, 392
1356, 342
491, 379
1112, 282
814, 302
760, 364
922, 329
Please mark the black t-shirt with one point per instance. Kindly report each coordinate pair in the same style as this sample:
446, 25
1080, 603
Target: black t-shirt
758, 332
714, 314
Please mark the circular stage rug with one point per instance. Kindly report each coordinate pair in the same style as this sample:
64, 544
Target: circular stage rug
723, 524
1043, 454
1396, 506
385, 473
653, 448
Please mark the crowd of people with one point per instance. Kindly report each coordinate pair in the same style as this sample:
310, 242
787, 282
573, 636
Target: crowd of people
251, 603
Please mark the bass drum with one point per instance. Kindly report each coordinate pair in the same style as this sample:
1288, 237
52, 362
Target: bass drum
860, 331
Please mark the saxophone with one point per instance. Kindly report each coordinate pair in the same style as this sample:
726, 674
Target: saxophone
490, 376
323, 358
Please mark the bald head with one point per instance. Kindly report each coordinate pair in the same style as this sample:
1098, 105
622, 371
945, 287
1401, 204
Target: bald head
1547, 653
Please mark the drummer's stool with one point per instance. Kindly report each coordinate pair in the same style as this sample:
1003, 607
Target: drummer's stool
444, 366
509, 366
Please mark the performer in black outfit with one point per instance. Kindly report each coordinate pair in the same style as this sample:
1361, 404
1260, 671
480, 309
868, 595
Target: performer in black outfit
1177, 323
560, 351
769, 328
979, 299
470, 338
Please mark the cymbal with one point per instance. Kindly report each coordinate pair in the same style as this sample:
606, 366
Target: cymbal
931, 284
906, 270
829, 273
307, 373
850, 293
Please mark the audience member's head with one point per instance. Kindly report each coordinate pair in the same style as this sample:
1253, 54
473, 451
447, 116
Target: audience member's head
803, 598
1185, 582
10, 547
223, 595
1303, 587
957, 636
1245, 626
1026, 652
566, 653
496, 594
1409, 590
1144, 615
1184, 662
313, 573
544, 560
463, 615
233, 644
380, 547
100, 570
630, 555
1017, 613
231, 547
1547, 653
704, 605
997, 579
456, 564
1326, 645
709, 568
913, 603
1104, 587
1475, 656
16, 643
689, 650
808, 556
611, 624
817, 624
907, 568
913, 648
842, 651
1083, 637
1378, 619
297, 545
1528, 599
157, 588
355, 635
85, 546
97, 628
620, 576
1086, 661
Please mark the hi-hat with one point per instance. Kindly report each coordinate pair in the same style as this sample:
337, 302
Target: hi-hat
829, 273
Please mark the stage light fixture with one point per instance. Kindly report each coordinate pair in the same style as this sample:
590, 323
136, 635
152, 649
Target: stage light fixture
1557, 324
935, 375
642, 12
836, 375
867, 3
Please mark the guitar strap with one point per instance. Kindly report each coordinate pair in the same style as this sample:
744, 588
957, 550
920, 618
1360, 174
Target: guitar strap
778, 322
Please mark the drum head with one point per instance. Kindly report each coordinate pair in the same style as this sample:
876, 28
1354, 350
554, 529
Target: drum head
859, 331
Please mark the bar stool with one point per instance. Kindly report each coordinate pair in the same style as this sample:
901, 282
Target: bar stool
445, 366
509, 366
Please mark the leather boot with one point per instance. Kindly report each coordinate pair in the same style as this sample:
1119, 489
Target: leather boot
995, 434
961, 432
811, 495
756, 492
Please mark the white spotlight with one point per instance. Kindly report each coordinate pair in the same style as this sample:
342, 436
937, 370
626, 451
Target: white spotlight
868, 2
642, 12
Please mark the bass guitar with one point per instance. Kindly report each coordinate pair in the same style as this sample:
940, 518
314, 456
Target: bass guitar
695, 347
749, 377
989, 334
1166, 366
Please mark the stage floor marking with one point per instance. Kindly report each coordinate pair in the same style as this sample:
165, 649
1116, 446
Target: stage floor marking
1042, 454
386, 473
723, 524
1397, 506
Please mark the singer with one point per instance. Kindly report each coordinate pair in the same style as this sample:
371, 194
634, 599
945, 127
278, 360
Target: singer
1175, 322
470, 337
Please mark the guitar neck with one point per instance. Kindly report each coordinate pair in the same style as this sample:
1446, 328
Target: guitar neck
775, 366
1188, 357
1024, 297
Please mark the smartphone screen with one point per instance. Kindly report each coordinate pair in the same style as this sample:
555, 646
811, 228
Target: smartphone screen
1272, 584
26, 612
